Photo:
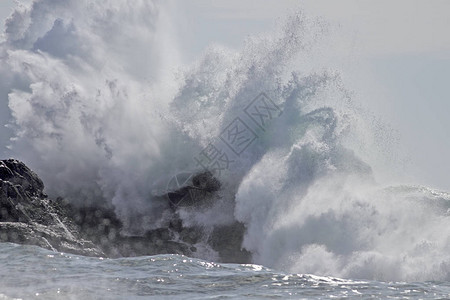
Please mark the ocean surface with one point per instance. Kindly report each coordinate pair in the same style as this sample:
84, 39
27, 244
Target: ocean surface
29, 272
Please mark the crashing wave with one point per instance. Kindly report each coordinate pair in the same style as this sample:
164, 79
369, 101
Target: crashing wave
97, 111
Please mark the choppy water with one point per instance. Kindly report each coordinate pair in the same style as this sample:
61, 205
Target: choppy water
29, 272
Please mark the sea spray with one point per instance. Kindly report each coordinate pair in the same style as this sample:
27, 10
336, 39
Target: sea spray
97, 112
89, 100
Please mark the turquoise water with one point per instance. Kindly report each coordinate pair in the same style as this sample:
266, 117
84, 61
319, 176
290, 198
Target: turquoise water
29, 272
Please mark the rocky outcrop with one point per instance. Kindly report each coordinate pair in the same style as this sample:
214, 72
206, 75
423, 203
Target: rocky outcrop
104, 229
197, 191
28, 216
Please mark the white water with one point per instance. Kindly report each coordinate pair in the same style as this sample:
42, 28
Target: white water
100, 115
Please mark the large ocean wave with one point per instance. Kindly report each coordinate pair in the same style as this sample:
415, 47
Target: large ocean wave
103, 110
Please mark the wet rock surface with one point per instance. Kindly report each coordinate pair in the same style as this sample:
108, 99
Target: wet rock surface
28, 216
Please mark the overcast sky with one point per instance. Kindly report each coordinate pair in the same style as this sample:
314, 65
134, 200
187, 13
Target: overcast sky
395, 56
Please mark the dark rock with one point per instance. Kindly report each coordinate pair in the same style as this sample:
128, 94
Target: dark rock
191, 235
197, 192
101, 225
18, 173
206, 181
227, 241
176, 224
27, 216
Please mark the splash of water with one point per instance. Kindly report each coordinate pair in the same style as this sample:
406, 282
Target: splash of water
97, 112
